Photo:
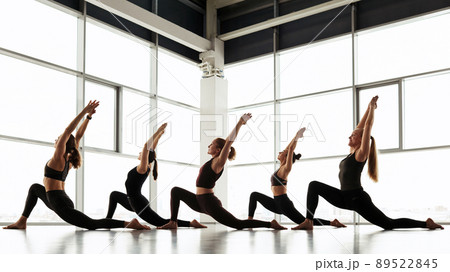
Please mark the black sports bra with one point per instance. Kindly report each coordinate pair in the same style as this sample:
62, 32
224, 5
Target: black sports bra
58, 175
206, 176
276, 180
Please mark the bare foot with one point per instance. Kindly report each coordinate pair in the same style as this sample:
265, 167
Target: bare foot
306, 225
337, 224
432, 226
250, 218
170, 225
275, 225
195, 224
20, 224
134, 224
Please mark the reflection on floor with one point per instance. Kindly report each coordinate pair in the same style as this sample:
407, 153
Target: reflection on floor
366, 239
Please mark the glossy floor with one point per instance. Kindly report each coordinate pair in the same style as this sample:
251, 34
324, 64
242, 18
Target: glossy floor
365, 239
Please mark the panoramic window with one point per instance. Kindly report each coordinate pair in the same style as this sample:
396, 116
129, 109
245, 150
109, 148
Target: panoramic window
317, 67
117, 58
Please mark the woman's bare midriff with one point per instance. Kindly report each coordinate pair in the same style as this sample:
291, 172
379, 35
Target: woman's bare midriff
202, 191
279, 190
53, 184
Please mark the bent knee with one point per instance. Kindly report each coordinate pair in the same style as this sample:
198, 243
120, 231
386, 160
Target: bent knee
35, 186
314, 184
114, 194
175, 191
254, 195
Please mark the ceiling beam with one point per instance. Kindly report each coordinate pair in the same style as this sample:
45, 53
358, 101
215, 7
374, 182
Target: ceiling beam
224, 3
293, 16
154, 23
193, 5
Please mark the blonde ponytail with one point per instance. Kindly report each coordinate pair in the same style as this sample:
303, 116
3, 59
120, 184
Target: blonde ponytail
75, 156
373, 161
232, 154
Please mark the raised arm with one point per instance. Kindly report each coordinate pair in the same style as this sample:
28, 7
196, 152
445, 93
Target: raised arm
223, 156
363, 152
290, 149
61, 144
82, 128
363, 120
151, 144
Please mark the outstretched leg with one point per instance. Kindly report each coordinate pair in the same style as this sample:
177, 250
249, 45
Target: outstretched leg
141, 206
365, 207
213, 207
36, 191
267, 202
288, 209
117, 197
64, 208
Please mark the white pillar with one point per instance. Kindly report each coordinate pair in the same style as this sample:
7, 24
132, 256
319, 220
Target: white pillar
214, 117
81, 54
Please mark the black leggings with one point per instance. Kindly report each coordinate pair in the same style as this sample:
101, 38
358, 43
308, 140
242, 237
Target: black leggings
141, 206
280, 205
356, 200
60, 203
36, 191
210, 205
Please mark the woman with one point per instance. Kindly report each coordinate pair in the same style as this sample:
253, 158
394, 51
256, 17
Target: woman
205, 201
134, 200
280, 203
65, 157
352, 196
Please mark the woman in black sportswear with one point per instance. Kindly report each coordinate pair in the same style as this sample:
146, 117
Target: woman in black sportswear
351, 196
280, 203
56, 169
204, 200
133, 200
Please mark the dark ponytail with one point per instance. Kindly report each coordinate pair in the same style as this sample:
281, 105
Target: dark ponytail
221, 143
152, 158
296, 157
71, 149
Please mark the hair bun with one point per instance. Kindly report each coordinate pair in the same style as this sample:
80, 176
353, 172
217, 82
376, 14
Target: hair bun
296, 157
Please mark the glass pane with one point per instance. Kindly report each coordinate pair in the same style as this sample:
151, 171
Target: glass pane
323, 170
114, 57
427, 111
100, 133
319, 67
244, 180
328, 127
412, 184
136, 120
102, 175
15, 187
254, 143
178, 142
40, 107
178, 79
29, 27
404, 49
385, 128
250, 82
169, 176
